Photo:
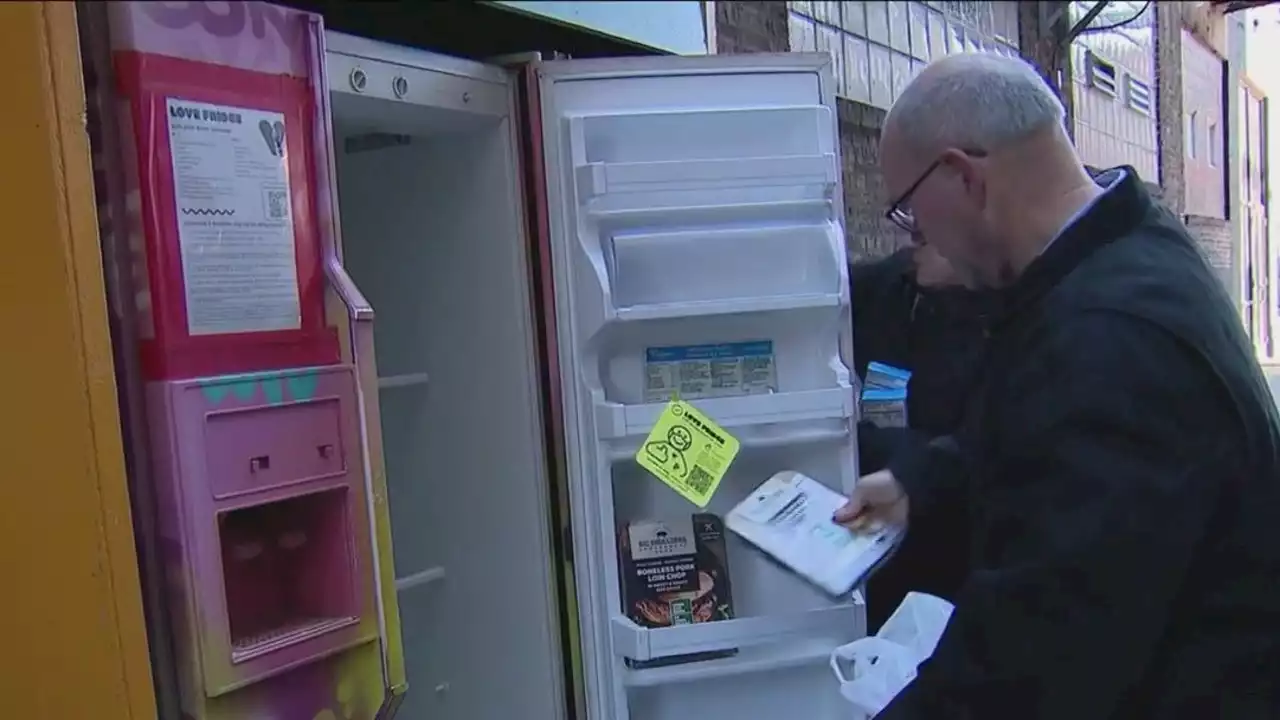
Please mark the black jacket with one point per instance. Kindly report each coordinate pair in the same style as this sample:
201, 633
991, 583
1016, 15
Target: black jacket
936, 334
1120, 469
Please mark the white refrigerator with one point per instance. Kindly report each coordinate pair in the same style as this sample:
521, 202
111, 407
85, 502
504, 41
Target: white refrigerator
550, 247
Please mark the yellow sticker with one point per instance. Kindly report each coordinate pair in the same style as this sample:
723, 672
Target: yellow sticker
688, 452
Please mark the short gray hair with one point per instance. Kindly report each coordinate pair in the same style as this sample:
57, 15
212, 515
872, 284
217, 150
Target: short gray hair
978, 101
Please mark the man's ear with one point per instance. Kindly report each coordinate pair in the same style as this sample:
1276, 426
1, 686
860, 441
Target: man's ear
969, 168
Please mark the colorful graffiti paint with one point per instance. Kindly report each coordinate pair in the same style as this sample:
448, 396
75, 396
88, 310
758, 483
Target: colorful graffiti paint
270, 386
272, 519
267, 540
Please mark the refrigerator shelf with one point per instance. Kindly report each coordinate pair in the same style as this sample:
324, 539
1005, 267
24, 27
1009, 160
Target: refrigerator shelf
715, 209
728, 306
743, 268
617, 420
762, 658
420, 579
759, 437
398, 381
675, 184
631, 640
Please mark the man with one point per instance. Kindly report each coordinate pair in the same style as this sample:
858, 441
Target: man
1119, 463
910, 312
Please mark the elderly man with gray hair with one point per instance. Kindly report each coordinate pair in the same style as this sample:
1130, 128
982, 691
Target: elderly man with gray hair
1119, 462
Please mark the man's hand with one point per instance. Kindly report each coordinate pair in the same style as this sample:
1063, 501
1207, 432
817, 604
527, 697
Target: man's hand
877, 498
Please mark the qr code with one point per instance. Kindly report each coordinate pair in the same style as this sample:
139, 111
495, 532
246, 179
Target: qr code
699, 480
277, 204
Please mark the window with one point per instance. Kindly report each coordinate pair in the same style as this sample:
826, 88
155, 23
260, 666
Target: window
1264, 143
1192, 131
1213, 145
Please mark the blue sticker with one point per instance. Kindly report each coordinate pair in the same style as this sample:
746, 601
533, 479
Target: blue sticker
708, 371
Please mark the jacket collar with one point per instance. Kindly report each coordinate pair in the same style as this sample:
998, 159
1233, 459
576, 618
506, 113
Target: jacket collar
1115, 214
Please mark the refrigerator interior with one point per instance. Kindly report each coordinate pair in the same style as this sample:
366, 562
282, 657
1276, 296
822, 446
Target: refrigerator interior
695, 203
432, 233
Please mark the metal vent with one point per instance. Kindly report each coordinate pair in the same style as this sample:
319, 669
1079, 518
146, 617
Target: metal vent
1137, 95
1101, 75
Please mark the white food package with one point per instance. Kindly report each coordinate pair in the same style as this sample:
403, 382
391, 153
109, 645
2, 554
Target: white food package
789, 517
884, 664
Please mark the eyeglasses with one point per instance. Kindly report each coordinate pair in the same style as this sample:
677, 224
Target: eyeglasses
901, 215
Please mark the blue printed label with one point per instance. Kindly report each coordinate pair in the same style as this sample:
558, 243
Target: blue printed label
703, 371
884, 376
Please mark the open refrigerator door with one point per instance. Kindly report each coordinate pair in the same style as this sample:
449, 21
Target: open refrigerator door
697, 246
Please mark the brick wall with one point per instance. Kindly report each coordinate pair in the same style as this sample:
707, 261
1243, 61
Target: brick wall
1217, 242
1038, 40
746, 26
1169, 103
868, 233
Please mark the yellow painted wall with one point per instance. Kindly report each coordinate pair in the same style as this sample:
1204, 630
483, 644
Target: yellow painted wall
72, 641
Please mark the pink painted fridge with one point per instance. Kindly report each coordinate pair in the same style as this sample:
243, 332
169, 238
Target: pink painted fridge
266, 503
553, 249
